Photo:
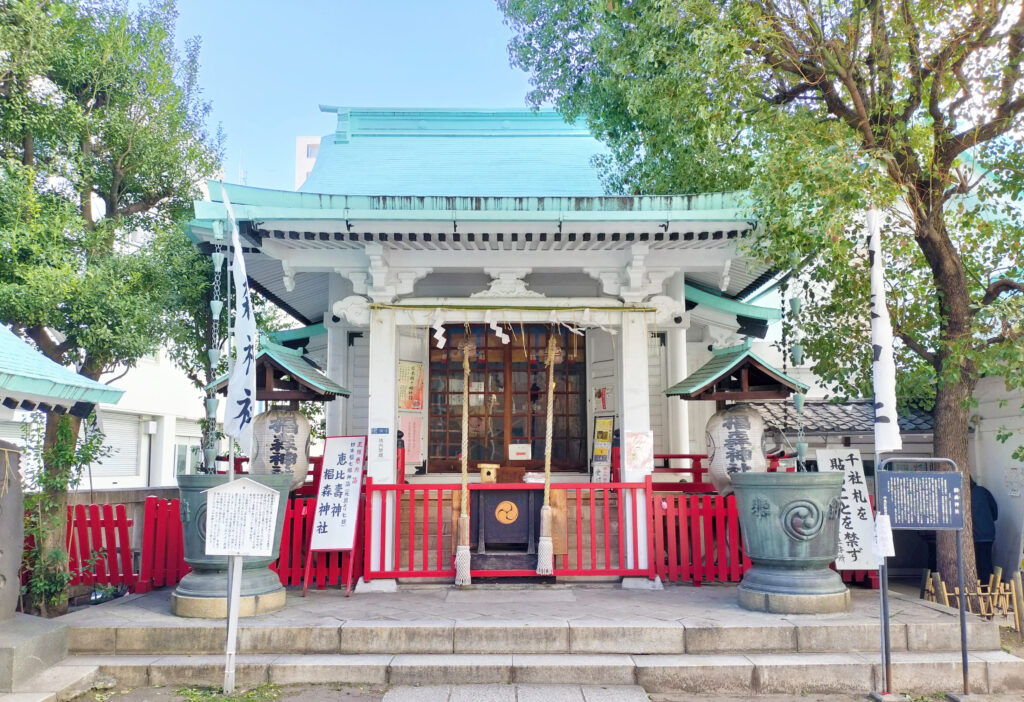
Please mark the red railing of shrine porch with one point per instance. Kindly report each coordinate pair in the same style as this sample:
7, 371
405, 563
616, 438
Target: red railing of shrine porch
419, 538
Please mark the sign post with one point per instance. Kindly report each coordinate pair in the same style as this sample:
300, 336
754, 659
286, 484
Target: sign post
240, 521
918, 500
336, 514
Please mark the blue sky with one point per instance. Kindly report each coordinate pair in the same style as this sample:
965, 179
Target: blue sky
267, 64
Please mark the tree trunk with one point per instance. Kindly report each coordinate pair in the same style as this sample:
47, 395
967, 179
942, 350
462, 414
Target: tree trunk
951, 441
53, 548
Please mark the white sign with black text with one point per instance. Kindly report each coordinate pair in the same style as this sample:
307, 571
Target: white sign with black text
856, 523
241, 517
337, 501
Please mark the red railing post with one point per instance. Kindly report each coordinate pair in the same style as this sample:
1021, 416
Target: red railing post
368, 532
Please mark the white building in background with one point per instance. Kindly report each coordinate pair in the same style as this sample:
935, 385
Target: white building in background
306, 150
153, 431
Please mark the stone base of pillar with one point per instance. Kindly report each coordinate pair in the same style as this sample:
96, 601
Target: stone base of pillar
638, 583
376, 585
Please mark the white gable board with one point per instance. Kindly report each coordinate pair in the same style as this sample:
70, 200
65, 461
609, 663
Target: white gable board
241, 516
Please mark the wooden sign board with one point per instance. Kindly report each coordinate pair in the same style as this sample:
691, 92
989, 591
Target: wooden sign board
336, 515
856, 524
241, 517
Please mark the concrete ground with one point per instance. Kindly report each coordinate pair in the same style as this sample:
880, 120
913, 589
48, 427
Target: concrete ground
486, 693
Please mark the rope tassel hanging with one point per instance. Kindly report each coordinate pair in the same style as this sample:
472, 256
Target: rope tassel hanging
545, 547
463, 558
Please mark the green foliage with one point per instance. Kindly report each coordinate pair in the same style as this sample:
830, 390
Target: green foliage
65, 458
819, 110
266, 691
103, 147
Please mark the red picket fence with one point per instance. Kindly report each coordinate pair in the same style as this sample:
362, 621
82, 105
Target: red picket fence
697, 538
328, 567
162, 555
98, 545
420, 540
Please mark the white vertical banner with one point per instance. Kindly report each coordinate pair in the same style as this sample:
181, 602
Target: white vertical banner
883, 366
241, 403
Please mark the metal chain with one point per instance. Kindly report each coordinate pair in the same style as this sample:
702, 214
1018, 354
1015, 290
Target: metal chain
211, 429
216, 296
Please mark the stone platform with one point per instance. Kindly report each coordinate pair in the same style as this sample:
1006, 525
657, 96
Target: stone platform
680, 639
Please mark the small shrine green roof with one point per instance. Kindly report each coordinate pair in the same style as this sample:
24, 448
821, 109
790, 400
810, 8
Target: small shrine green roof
723, 363
26, 374
295, 364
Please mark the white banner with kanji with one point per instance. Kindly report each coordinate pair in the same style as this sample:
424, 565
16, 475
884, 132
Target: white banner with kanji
241, 402
883, 365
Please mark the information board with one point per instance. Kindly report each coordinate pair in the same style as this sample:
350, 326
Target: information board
856, 526
337, 501
928, 500
602, 459
241, 517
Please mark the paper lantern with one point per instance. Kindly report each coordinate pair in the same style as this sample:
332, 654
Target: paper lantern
280, 439
735, 444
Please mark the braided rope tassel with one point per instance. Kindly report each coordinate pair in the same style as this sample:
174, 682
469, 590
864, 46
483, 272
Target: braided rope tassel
545, 547
462, 555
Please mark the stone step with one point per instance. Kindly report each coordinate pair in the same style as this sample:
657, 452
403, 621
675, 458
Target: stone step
517, 693
59, 683
991, 671
584, 635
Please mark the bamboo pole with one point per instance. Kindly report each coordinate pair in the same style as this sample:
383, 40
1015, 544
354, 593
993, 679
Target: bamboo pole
463, 559
545, 547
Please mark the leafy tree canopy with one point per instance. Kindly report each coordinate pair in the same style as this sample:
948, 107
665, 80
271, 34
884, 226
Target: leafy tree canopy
819, 109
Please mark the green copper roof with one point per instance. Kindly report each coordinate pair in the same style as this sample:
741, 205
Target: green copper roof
297, 334
266, 205
292, 362
27, 373
455, 152
722, 364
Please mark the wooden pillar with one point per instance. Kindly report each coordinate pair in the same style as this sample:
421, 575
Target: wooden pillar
678, 414
635, 416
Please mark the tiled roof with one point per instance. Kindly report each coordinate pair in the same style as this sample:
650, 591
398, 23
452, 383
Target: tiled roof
513, 152
820, 417
27, 374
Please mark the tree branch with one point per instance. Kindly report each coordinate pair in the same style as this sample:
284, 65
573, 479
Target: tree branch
144, 204
1005, 336
999, 287
918, 348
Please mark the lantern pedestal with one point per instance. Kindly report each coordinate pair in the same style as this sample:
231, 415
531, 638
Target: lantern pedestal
203, 593
790, 524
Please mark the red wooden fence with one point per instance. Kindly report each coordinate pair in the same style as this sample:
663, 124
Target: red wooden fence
692, 538
419, 536
329, 567
697, 538
98, 545
162, 555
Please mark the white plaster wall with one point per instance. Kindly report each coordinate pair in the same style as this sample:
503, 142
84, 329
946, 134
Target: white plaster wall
994, 467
